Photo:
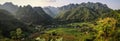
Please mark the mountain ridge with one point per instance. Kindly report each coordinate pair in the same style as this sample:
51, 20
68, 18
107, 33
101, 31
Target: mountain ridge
85, 11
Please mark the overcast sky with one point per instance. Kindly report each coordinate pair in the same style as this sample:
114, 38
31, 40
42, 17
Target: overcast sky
114, 4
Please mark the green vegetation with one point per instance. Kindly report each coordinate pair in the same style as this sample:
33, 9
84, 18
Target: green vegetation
84, 22
34, 15
104, 30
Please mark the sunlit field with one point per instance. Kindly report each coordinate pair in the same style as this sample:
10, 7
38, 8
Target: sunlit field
59, 20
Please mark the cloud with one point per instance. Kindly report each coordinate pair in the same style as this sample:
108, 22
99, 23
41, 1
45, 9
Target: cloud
48, 0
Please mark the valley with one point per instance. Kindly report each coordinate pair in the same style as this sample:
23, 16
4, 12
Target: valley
73, 22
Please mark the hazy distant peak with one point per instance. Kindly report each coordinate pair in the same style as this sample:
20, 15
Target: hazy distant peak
50, 7
9, 6
8, 3
28, 6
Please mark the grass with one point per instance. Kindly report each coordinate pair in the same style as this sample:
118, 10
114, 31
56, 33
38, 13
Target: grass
70, 34
64, 30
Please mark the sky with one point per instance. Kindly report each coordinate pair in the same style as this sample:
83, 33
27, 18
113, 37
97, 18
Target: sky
114, 4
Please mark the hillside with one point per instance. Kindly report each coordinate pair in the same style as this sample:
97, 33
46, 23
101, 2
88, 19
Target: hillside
85, 12
9, 7
73, 22
9, 23
52, 11
67, 7
33, 15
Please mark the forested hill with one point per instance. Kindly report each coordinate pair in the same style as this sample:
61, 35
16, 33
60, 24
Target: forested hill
73, 22
9, 6
33, 15
85, 12
9, 23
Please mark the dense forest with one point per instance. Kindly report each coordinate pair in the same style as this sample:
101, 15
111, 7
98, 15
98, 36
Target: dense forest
73, 22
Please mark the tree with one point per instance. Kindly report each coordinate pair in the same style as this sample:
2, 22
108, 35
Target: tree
106, 27
17, 35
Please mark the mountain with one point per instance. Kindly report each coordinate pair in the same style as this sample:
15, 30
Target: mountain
52, 11
68, 7
9, 7
9, 23
33, 15
85, 12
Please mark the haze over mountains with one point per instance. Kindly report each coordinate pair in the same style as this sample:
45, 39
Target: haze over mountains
34, 15
81, 19
52, 11
10, 22
9, 7
39, 15
26, 14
